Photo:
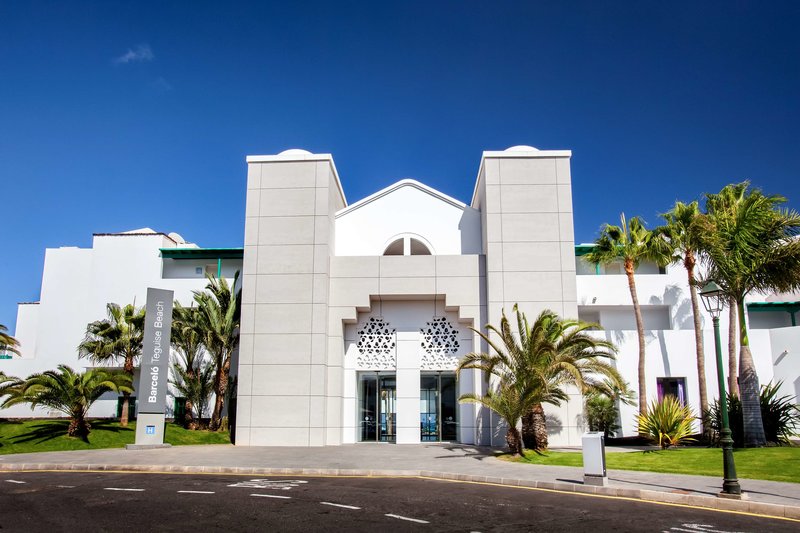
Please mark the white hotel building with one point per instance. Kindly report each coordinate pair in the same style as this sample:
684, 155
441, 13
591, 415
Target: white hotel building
354, 315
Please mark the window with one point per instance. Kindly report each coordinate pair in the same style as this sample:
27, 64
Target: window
396, 248
418, 248
407, 246
672, 387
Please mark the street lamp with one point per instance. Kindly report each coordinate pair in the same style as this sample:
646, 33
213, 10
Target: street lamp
714, 301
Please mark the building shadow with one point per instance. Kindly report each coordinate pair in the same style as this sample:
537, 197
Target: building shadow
51, 429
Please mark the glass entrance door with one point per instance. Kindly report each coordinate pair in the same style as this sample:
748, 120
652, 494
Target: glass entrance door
377, 399
438, 407
388, 409
368, 407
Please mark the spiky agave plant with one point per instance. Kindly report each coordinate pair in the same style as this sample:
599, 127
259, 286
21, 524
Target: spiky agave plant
668, 422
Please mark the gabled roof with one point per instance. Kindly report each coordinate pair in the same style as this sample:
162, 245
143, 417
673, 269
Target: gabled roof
399, 185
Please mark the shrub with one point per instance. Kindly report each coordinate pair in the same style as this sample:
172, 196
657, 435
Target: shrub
780, 416
668, 422
601, 414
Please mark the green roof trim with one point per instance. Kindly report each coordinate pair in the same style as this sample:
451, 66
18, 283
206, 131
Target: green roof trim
789, 307
202, 253
583, 249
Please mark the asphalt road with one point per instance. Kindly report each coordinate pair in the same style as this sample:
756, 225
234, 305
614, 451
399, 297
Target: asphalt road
73, 501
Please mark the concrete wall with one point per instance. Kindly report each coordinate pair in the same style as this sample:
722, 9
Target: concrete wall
670, 345
359, 284
785, 344
525, 196
408, 208
407, 318
622, 317
283, 358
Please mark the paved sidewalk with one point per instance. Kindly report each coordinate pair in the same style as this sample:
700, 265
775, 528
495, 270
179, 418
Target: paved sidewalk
450, 461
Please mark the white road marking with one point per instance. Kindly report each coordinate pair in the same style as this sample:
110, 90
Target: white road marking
14, 481
195, 492
417, 520
695, 528
280, 484
128, 490
65, 486
272, 496
340, 505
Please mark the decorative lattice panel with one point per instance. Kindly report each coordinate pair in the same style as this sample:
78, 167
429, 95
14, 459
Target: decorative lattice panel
439, 344
376, 346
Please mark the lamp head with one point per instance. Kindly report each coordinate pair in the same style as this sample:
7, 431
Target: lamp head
713, 298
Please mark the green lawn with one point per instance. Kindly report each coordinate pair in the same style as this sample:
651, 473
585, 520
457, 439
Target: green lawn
43, 435
775, 464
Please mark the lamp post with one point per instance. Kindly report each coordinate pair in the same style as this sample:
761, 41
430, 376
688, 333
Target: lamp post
714, 301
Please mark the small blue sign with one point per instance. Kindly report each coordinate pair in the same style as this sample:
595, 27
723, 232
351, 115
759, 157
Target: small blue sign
150, 430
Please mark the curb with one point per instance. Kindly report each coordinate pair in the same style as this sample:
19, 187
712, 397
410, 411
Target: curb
709, 502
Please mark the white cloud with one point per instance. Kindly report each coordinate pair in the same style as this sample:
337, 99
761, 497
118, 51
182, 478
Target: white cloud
140, 54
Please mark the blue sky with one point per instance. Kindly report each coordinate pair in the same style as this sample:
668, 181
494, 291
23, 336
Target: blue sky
100, 102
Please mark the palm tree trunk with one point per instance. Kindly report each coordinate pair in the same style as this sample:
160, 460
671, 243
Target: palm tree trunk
689, 263
126, 402
539, 427
220, 387
126, 396
514, 441
733, 319
637, 311
78, 425
216, 414
188, 415
528, 432
749, 388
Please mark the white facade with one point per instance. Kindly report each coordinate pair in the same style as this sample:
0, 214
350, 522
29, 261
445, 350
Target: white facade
669, 334
77, 283
354, 316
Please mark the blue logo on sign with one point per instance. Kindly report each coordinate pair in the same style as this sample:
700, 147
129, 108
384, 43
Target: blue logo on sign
150, 430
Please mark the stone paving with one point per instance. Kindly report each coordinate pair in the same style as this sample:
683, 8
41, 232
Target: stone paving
451, 461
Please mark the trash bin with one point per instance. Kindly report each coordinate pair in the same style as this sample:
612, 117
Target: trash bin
594, 459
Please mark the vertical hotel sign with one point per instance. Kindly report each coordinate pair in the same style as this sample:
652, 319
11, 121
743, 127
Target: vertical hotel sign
154, 377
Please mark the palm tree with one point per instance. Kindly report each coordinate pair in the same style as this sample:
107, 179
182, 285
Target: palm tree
6, 382
116, 339
510, 402
750, 245
7, 342
514, 391
562, 354
186, 342
539, 361
69, 392
602, 404
732, 197
196, 385
631, 243
217, 322
682, 236
193, 373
